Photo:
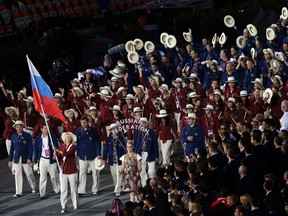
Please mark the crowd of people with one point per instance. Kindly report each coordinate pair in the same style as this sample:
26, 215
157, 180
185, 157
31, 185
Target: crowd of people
224, 108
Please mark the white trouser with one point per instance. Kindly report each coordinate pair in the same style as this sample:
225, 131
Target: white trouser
73, 180
44, 168
83, 167
8, 146
177, 118
117, 178
166, 151
19, 176
151, 169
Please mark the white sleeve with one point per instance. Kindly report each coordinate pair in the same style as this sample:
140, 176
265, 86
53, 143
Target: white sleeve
122, 158
138, 157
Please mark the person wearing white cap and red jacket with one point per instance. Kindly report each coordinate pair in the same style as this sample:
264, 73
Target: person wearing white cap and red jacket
146, 145
231, 89
30, 116
210, 122
232, 114
178, 95
192, 136
167, 132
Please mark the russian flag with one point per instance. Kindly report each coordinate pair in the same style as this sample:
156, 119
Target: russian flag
43, 97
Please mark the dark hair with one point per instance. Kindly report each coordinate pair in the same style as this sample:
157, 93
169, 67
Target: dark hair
256, 135
84, 118
278, 140
151, 200
43, 125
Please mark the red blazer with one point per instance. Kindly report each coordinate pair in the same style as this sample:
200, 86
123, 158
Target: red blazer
152, 93
9, 130
182, 95
165, 131
71, 126
127, 111
78, 105
236, 114
235, 93
210, 124
99, 128
31, 119
68, 163
105, 105
257, 105
52, 126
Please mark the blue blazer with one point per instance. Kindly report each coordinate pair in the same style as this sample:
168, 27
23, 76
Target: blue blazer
151, 141
198, 138
88, 143
108, 149
38, 148
21, 147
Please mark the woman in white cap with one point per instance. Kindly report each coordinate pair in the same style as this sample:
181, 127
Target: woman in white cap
188, 109
30, 116
88, 103
231, 88
105, 101
139, 96
232, 113
166, 97
114, 84
75, 83
193, 99
152, 85
167, 132
245, 105
178, 96
195, 86
127, 108
89, 83
10, 116
77, 103
256, 101
69, 171
210, 122
218, 104
211, 90
72, 122
121, 95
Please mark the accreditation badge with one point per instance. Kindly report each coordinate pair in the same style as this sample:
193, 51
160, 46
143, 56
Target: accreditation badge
196, 134
90, 138
24, 142
252, 75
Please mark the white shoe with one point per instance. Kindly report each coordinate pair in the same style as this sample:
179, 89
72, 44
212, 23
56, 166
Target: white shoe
63, 211
118, 194
95, 193
34, 191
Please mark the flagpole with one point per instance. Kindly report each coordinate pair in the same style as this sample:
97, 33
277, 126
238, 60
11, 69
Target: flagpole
49, 133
